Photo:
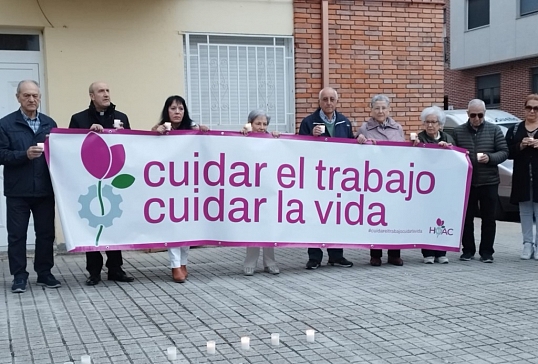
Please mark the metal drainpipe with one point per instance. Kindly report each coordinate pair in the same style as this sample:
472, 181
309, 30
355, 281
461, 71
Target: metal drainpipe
325, 42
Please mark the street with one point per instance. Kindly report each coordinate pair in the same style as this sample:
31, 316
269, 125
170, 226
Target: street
462, 312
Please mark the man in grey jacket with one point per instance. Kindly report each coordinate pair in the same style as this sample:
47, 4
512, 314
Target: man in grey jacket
487, 148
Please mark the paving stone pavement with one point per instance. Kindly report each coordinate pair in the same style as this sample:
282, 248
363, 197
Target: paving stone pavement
463, 312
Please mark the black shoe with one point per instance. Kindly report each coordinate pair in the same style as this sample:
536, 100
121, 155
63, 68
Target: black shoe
19, 285
486, 259
120, 277
93, 280
312, 264
342, 262
48, 281
466, 257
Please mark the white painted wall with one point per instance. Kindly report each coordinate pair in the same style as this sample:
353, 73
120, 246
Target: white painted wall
134, 45
508, 36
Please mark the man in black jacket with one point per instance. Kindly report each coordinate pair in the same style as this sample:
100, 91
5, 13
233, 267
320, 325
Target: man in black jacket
28, 188
102, 114
487, 149
328, 122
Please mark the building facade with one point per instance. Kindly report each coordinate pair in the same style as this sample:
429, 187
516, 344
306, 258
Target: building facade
493, 53
225, 57
389, 47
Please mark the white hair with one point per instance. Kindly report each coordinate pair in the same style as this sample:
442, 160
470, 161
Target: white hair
326, 88
380, 97
254, 114
477, 102
23, 82
433, 110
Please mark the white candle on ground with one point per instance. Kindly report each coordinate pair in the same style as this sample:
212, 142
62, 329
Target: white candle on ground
211, 347
245, 343
310, 336
85, 359
275, 339
172, 353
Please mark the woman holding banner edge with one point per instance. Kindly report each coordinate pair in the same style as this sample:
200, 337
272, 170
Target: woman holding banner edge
175, 116
381, 126
257, 123
433, 119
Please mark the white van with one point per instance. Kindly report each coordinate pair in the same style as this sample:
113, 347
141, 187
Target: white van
504, 120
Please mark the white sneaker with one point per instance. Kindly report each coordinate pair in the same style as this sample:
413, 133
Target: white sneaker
442, 260
273, 269
248, 271
536, 252
429, 260
527, 251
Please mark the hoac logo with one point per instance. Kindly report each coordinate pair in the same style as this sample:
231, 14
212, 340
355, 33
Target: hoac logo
440, 229
102, 162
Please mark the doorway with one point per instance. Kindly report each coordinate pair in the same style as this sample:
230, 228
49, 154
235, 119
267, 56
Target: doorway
21, 58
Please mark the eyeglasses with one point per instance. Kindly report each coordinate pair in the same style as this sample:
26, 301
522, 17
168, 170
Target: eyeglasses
530, 108
431, 122
474, 115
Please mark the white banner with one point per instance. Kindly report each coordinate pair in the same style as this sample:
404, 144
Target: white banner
138, 190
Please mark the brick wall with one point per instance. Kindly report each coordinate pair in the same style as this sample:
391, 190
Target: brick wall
390, 47
460, 86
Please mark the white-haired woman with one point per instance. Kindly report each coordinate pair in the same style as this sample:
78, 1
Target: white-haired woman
433, 121
381, 126
258, 121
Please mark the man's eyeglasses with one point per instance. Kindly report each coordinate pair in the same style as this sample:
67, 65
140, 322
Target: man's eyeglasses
530, 108
431, 122
474, 115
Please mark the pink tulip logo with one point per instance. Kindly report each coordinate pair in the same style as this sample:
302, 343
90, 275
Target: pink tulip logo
103, 162
440, 226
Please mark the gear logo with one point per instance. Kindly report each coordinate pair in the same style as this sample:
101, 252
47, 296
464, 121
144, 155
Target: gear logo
102, 162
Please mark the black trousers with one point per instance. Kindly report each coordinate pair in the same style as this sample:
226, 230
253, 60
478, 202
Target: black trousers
433, 253
317, 254
378, 253
94, 262
18, 211
487, 197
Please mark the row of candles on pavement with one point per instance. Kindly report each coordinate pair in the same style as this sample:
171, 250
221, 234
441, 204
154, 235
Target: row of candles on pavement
245, 344
171, 352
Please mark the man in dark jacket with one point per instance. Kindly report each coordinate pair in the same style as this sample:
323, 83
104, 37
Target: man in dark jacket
102, 114
28, 188
328, 122
487, 148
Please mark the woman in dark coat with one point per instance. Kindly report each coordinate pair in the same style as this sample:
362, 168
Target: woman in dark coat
524, 151
433, 121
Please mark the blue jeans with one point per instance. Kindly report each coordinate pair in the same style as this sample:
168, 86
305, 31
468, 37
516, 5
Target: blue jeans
527, 210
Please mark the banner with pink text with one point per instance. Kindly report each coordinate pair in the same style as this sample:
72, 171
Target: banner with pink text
139, 190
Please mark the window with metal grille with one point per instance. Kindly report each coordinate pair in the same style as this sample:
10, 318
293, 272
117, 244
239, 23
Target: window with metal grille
229, 76
488, 89
477, 13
